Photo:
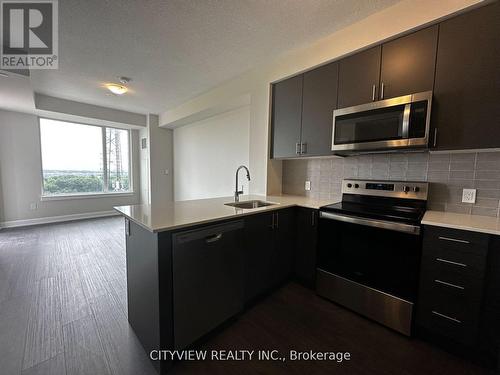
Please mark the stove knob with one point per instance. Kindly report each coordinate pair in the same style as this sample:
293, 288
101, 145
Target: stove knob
349, 185
416, 189
406, 189
356, 186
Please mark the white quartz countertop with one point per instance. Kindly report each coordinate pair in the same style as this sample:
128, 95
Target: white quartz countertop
175, 215
475, 223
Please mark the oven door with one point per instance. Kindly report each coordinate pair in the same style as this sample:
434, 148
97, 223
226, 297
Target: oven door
371, 253
387, 124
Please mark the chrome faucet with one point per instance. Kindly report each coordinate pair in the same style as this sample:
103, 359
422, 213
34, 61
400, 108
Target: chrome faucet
238, 192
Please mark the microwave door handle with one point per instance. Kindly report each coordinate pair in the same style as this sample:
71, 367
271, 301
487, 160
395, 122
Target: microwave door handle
405, 130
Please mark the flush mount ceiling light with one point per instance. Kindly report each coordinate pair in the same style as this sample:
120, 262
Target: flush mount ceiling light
116, 88
119, 89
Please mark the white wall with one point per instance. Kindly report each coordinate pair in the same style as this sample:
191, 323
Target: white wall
144, 167
161, 165
401, 17
21, 180
207, 153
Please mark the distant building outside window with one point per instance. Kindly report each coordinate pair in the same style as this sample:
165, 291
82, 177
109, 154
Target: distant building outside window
83, 159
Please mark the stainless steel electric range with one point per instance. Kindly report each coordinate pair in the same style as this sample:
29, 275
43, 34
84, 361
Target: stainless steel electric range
370, 247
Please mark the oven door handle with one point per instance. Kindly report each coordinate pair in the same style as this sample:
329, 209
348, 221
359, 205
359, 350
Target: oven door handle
390, 225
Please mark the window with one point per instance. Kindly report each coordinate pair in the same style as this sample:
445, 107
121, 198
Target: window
83, 159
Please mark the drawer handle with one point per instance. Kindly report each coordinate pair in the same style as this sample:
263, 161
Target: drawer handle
452, 239
213, 238
449, 284
446, 317
451, 262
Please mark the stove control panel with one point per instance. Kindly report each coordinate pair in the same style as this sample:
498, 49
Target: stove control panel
395, 189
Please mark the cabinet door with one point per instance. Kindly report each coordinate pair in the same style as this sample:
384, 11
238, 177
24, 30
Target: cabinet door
318, 102
408, 64
359, 77
490, 323
286, 117
284, 243
259, 247
305, 251
466, 110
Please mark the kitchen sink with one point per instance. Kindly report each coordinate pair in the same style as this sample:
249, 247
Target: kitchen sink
249, 204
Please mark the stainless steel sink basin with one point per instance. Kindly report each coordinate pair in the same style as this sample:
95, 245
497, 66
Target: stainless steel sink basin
249, 204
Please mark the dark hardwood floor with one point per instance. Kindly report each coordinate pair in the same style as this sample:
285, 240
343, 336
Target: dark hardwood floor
63, 311
63, 301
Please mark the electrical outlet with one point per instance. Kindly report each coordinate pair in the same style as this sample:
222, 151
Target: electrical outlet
308, 185
469, 196
33, 206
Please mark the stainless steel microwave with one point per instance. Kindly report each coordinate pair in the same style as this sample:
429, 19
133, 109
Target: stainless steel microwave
390, 124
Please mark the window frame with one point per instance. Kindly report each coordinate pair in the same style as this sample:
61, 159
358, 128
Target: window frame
104, 194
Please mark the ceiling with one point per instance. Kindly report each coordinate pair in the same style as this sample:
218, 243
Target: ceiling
175, 50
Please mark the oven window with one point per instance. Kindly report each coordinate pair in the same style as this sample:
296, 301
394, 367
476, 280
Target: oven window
370, 126
382, 259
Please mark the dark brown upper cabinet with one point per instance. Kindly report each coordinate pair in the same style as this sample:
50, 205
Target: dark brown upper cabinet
359, 77
408, 64
318, 102
286, 117
399, 67
466, 107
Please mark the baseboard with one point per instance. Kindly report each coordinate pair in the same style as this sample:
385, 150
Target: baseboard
56, 219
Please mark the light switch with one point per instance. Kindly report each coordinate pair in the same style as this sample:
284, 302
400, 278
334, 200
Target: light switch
469, 196
308, 185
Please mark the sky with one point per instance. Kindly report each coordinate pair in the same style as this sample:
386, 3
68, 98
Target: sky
70, 146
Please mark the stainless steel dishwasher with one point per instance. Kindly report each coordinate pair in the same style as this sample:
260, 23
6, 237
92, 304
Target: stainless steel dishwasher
208, 277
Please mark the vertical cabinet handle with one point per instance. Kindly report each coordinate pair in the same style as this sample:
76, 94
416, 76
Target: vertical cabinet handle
303, 148
277, 220
374, 92
382, 90
272, 221
312, 219
435, 137
297, 148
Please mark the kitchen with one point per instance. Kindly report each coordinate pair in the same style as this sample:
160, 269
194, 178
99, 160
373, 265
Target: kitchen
392, 249
337, 210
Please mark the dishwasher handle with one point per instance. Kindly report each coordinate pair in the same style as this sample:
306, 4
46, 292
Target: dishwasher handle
209, 234
213, 238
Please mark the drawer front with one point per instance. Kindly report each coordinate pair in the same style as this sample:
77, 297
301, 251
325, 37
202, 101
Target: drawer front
437, 321
449, 311
463, 251
447, 298
451, 282
464, 241
461, 276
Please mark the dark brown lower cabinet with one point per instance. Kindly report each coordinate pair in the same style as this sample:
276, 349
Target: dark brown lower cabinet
489, 335
305, 247
259, 246
284, 246
459, 297
269, 250
184, 283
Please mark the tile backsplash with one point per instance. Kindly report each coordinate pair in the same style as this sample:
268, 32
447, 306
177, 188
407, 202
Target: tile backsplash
448, 174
